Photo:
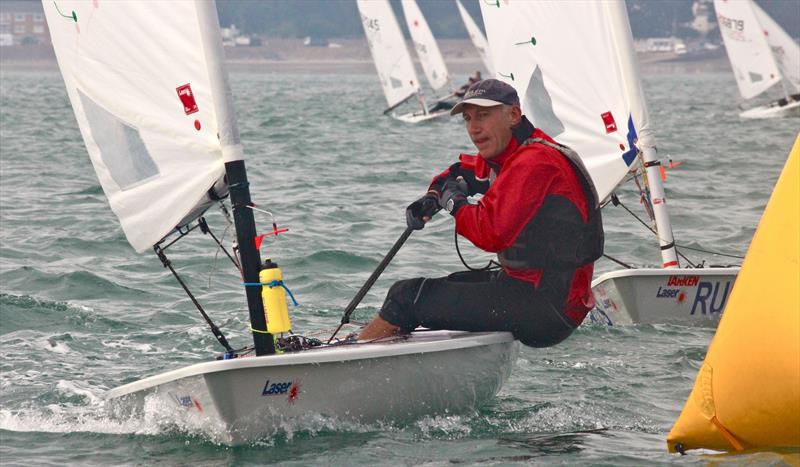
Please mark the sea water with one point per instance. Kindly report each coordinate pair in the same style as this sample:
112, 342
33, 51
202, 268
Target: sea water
81, 312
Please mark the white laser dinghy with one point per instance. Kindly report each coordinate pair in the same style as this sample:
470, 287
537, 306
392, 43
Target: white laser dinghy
150, 93
761, 55
393, 62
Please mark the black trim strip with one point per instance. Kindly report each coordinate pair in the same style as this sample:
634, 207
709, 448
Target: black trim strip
386, 112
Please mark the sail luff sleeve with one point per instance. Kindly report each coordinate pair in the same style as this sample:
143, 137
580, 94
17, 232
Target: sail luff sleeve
236, 172
621, 29
227, 125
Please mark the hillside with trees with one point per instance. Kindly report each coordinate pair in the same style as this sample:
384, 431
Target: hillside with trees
340, 19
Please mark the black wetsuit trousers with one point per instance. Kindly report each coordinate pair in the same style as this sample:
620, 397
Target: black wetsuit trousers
481, 301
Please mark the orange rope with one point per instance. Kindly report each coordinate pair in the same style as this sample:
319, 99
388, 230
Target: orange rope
727, 434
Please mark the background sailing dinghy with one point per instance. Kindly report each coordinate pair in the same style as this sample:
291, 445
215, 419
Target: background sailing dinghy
151, 97
584, 90
477, 38
393, 62
762, 55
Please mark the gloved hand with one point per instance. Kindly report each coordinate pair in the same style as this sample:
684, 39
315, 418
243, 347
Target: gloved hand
421, 210
454, 195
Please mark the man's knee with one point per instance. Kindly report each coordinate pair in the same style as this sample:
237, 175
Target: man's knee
399, 306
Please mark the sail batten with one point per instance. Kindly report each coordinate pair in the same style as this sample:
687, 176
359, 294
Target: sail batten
145, 108
389, 52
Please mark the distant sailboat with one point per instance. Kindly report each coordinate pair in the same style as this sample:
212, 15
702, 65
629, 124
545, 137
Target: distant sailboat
476, 36
762, 55
149, 89
393, 62
584, 90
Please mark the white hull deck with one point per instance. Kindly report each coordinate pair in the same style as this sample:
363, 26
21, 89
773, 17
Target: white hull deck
690, 297
419, 117
773, 110
245, 399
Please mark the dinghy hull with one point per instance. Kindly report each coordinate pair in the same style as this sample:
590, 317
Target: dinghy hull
687, 297
420, 117
246, 399
774, 110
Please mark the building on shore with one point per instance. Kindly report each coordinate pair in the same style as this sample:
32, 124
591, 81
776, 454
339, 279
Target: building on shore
22, 23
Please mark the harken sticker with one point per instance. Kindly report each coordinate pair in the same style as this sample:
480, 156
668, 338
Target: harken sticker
187, 98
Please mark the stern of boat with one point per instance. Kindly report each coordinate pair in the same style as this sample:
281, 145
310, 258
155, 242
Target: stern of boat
691, 297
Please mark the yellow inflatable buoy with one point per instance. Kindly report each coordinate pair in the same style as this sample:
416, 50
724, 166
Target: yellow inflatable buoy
747, 393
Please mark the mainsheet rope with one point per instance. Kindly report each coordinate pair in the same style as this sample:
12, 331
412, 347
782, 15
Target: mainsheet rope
616, 201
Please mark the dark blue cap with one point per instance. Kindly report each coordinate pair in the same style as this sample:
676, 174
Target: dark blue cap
487, 93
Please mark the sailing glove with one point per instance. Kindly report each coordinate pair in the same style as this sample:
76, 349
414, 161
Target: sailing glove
426, 206
454, 195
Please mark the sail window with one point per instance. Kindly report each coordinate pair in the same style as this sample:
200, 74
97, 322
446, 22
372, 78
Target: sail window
121, 146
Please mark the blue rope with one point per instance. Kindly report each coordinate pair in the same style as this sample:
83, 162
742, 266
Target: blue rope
271, 285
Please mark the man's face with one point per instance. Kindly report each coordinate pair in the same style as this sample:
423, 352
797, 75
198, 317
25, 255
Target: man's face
489, 128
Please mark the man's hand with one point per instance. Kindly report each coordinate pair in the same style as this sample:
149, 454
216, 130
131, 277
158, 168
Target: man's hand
420, 211
454, 195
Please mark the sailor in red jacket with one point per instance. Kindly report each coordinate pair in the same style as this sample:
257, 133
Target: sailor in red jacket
540, 214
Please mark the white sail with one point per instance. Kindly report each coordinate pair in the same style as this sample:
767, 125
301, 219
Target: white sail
784, 49
580, 88
751, 58
476, 36
144, 106
425, 44
389, 52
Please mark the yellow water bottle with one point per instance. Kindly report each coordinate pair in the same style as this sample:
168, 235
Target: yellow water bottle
274, 298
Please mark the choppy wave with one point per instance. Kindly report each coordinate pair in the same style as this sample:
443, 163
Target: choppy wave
81, 312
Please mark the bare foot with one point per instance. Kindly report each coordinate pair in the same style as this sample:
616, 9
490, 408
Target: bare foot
378, 328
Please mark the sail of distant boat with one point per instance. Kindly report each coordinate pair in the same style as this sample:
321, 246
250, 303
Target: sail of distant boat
584, 90
784, 49
761, 55
427, 49
753, 63
153, 143
393, 62
477, 38
747, 392
389, 52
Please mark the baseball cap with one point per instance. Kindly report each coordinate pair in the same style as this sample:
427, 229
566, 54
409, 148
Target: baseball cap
487, 93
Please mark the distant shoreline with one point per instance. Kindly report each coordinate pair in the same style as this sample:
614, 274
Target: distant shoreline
463, 67
346, 56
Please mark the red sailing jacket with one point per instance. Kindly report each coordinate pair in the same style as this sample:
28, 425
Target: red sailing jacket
524, 177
